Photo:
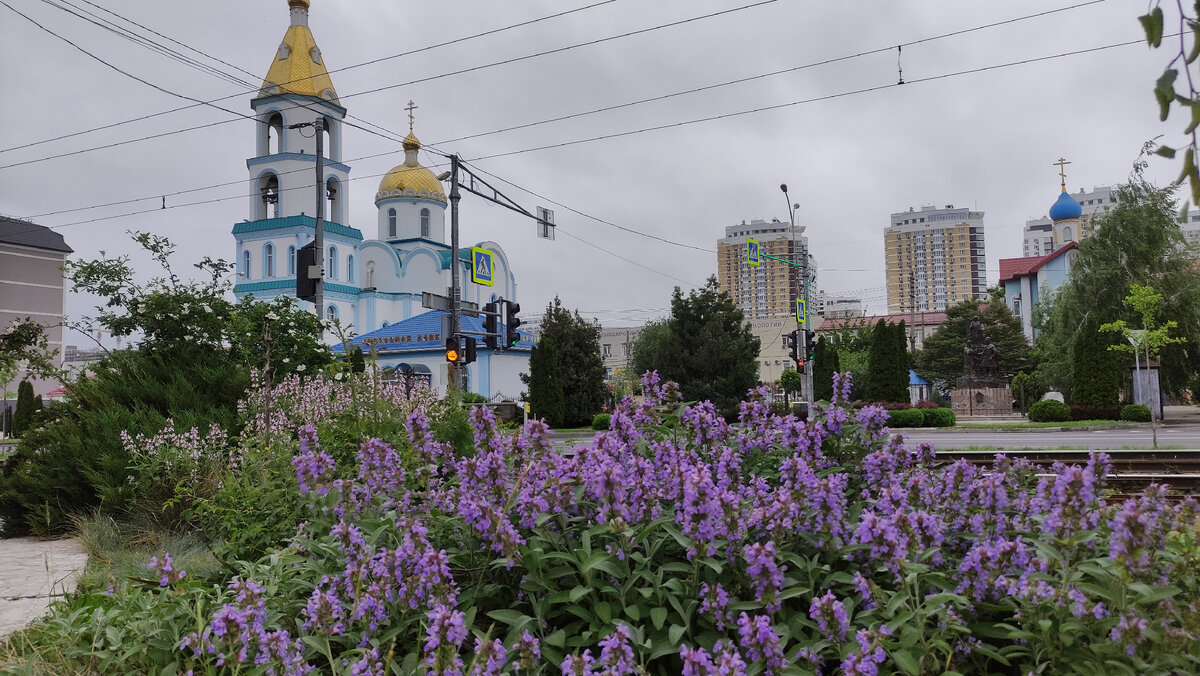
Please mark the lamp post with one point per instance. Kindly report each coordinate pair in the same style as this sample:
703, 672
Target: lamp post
802, 335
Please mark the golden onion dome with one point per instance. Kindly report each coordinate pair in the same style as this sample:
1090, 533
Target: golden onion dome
410, 179
298, 4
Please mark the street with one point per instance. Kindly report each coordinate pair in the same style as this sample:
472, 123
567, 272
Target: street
1181, 436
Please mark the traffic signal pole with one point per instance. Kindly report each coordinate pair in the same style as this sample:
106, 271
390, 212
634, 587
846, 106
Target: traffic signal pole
455, 291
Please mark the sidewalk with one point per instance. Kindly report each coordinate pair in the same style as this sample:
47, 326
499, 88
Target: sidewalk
1181, 415
32, 573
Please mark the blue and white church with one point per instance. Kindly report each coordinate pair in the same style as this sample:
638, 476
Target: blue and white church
372, 283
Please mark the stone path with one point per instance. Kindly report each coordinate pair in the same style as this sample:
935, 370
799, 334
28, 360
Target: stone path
32, 573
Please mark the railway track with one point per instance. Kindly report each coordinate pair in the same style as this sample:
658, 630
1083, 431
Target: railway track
1132, 470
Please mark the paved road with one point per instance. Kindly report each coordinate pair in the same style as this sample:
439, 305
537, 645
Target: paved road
1181, 436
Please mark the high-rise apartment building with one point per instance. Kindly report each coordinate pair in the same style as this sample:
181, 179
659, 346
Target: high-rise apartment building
770, 289
1041, 237
935, 258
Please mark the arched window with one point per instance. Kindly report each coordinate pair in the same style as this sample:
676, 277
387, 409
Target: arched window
332, 149
333, 196
350, 269
291, 261
1067, 234
272, 133
370, 274
331, 312
391, 222
246, 264
268, 191
268, 260
424, 222
331, 262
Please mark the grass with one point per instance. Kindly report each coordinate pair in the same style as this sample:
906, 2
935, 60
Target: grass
1037, 425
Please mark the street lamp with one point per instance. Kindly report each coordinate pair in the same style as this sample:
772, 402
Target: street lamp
808, 379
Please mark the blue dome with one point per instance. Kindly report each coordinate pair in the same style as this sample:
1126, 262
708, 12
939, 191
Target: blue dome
1065, 208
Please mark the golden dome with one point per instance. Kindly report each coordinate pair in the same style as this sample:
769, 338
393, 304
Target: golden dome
410, 179
298, 67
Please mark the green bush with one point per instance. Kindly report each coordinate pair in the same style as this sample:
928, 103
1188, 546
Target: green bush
1049, 411
24, 413
906, 417
938, 417
600, 422
1136, 413
472, 398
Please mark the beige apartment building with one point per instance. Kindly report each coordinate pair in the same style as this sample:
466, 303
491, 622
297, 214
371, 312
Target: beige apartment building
32, 283
935, 258
768, 290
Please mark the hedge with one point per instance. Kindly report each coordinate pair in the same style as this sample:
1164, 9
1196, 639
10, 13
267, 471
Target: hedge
907, 417
1049, 411
1136, 413
600, 422
937, 417
1095, 412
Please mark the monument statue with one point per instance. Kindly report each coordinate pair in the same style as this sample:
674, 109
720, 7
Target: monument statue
980, 358
981, 389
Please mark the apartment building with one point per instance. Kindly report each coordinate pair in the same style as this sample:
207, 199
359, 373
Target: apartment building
935, 258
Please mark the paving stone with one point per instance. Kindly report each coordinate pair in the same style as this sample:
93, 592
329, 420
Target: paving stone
33, 572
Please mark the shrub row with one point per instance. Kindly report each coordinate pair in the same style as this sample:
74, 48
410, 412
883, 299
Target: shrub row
1136, 413
921, 417
1095, 412
1049, 411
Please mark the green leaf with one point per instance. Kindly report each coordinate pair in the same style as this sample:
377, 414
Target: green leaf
658, 616
558, 638
1167, 151
579, 592
633, 612
512, 618
906, 662
604, 612
1164, 92
1152, 24
1148, 594
675, 633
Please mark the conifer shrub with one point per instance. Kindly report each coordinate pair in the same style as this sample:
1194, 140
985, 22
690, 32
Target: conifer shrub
1136, 413
24, 413
1049, 411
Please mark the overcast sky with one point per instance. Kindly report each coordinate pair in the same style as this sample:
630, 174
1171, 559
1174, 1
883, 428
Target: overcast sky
985, 140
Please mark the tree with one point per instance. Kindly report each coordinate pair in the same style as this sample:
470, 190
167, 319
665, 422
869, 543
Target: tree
650, 347
1154, 335
887, 375
712, 352
581, 366
852, 343
1095, 375
545, 384
24, 413
825, 363
1164, 89
1137, 242
791, 381
941, 358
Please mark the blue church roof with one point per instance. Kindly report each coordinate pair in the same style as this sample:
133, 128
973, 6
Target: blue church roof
1065, 208
914, 379
420, 333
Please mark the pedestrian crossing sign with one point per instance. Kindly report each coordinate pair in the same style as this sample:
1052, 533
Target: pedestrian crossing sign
801, 310
752, 252
482, 266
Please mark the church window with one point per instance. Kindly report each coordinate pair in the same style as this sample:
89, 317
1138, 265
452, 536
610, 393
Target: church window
371, 275
331, 312
246, 264
424, 222
272, 133
391, 222
333, 196
1067, 234
331, 262
268, 190
268, 260
291, 261
350, 269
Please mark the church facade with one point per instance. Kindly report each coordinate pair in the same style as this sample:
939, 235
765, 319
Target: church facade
374, 278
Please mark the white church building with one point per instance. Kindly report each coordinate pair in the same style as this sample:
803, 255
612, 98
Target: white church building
373, 282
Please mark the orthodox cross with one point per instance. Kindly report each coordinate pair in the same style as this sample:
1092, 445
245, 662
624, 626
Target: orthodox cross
410, 108
1061, 164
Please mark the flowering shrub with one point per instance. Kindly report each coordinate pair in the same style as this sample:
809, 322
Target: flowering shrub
677, 543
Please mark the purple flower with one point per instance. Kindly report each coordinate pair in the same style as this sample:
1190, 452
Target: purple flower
529, 651
490, 658
444, 637
761, 642
616, 653
766, 576
1129, 632
165, 569
713, 600
314, 468
830, 616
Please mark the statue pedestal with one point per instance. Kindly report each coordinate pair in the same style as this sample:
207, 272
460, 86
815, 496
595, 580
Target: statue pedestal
981, 397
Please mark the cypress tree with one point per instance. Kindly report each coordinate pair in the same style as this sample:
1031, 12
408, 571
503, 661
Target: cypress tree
825, 363
1095, 370
24, 412
545, 384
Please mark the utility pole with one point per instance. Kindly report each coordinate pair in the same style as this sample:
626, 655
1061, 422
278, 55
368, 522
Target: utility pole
912, 311
319, 238
455, 291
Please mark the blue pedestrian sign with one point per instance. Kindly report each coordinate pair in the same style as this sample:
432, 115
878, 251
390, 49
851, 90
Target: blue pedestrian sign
752, 252
483, 267
801, 310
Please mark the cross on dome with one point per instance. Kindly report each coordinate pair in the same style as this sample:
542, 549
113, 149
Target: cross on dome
1061, 164
410, 108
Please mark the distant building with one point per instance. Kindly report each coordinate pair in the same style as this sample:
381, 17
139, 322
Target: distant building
1191, 231
919, 325
616, 348
768, 290
831, 307
32, 283
1025, 280
935, 258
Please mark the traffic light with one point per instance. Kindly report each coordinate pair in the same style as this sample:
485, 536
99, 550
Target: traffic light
810, 339
491, 325
511, 322
306, 288
792, 341
452, 350
469, 345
